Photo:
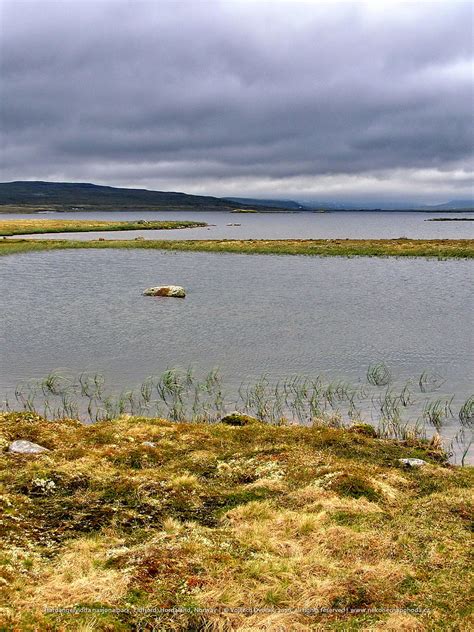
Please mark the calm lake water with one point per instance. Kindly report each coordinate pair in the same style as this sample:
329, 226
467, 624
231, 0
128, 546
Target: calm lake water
246, 314
356, 225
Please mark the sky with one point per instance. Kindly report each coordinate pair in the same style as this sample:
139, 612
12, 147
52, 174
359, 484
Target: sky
362, 101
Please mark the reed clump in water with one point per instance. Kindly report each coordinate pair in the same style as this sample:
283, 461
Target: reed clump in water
408, 411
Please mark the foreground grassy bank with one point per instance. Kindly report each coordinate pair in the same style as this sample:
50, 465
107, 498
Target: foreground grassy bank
213, 516
440, 248
13, 227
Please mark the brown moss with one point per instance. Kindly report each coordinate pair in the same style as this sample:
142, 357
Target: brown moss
216, 516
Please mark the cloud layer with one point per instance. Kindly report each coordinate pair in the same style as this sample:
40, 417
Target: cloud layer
244, 98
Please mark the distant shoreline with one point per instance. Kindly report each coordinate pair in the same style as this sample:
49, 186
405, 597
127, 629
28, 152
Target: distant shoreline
34, 210
450, 219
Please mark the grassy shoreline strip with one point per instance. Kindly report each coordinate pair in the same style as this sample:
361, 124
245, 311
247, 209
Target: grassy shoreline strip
438, 248
9, 228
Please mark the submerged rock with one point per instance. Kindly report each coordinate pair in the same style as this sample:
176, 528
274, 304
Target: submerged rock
239, 419
412, 462
21, 446
166, 290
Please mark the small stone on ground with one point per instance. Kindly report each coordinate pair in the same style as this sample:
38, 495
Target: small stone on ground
21, 446
412, 462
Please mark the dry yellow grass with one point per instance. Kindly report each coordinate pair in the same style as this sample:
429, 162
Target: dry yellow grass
78, 575
235, 528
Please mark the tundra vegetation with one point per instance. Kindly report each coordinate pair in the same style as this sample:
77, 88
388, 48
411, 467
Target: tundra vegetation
251, 527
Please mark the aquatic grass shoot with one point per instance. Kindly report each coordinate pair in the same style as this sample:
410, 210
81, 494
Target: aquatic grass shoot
378, 375
464, 438
466, 413
437, 411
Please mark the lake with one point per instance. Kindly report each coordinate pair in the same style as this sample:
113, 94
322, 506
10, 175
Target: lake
355, 225
246, 314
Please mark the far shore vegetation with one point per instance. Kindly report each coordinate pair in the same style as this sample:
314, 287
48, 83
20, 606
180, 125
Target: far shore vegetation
401, 247
11, 227
450, 219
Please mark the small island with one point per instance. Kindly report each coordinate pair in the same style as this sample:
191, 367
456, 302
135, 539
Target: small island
402, 247
12, 227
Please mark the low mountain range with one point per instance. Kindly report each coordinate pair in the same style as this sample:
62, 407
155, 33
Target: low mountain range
38, 196
452, 204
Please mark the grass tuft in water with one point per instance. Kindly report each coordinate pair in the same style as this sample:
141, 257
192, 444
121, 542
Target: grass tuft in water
378, 375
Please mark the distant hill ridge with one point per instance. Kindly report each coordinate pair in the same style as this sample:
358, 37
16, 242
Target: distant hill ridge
286, 204
452, 204
34, 196
85, 196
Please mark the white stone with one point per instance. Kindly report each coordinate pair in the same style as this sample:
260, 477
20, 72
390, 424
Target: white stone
21, 446
412, 462
166, 290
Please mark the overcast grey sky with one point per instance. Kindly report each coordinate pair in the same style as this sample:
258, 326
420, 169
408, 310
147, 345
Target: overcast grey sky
284, 99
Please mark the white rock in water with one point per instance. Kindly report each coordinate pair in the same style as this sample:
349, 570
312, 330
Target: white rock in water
26, 447
412, 462
166, 290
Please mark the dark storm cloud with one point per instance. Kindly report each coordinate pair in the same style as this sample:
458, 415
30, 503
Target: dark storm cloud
229, 95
